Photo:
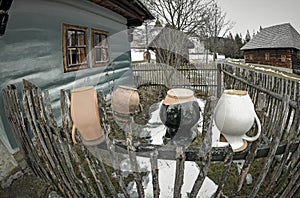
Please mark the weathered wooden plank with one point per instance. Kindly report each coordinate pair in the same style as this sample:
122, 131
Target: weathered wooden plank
52, 164
219, 80
261, 105
275, 143
290, 169
40, 158
155, 174
274, 93
206, 145
293, 184
179, 174
132, 156
227, 164
94, 172
116, 167
53, 139
72, 149
50, 143
18, 124
61, 149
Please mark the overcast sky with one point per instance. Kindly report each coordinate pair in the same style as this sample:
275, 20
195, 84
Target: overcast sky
251, 14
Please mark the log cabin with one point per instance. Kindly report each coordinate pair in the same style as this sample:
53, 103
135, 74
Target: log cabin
65, 44
277, 45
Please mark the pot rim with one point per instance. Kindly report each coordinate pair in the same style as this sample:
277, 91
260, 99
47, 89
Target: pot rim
127, 87
179, 95
236, 92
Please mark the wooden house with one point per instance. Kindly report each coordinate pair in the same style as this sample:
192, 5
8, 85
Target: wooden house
171, 46
66, 44
277, 45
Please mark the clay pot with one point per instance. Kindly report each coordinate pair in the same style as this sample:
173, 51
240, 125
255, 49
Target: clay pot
125, 100
234, 116
179, 112
85, 116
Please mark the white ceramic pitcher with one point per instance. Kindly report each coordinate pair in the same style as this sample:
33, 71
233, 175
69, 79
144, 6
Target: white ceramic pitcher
234, 116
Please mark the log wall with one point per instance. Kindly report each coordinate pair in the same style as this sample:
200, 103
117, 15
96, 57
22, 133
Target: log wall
275, 57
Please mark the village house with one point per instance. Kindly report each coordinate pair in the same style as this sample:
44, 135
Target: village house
277, 45
171, 46
65, 44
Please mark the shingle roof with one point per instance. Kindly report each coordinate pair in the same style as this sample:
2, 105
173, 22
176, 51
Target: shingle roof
278, 36
171, 40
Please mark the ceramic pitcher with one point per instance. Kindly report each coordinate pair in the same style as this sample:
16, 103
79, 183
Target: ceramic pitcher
125, 100
234, 116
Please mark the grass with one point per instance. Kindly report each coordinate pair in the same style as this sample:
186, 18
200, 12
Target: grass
216, 170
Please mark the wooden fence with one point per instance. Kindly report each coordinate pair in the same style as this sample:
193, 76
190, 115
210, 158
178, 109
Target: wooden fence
200, 77
273, 160
278, 100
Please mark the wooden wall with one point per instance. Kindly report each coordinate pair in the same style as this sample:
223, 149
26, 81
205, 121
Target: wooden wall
32, 48
296, 61
275, 57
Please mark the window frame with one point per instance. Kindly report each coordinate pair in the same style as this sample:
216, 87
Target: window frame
267, 56
251, 57
82, 65
283, 58
298, 54
94, 62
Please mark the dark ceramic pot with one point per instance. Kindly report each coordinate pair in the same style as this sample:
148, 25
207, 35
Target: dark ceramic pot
181, 114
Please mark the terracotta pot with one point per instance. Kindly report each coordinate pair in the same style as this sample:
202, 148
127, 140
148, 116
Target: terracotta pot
179, 112
125, 100
234, 116
85, 116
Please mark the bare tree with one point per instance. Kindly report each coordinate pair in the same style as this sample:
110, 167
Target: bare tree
188, 16
216, 26
201, 18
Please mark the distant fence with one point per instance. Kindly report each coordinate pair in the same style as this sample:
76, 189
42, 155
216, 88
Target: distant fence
200, 77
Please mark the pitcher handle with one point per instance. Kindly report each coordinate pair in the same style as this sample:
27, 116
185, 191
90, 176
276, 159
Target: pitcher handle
251, 139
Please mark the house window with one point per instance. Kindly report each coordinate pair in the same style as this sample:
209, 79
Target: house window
267, 56
75, 47
283, 58
250, 57
100, 47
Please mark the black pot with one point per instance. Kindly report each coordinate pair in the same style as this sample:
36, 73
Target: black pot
179, 118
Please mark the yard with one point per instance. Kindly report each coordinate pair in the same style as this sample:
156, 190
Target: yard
276, 149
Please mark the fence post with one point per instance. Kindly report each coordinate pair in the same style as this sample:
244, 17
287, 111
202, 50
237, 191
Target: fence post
219, 79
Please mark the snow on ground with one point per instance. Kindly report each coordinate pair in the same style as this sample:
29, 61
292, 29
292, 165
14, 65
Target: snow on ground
167, 168
167, 179
157, 129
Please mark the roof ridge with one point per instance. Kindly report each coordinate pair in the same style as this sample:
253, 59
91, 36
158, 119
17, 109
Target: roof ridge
277, 36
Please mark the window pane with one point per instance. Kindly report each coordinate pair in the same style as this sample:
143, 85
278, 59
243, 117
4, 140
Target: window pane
76, 56
104, 54
71, 38
97, 39
81, 38
82, 55
104, 41
72, 56
97, 54
100, 48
